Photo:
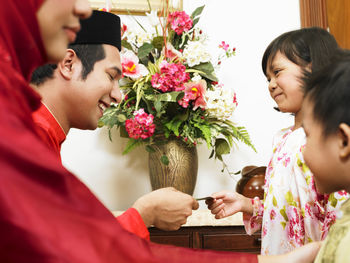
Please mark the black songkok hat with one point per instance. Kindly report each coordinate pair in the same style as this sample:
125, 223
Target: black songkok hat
101, 28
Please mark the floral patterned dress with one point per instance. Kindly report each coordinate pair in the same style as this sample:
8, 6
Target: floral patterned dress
292, 213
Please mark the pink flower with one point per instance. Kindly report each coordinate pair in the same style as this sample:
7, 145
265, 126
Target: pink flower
180, 22
272, 214
343, 193
123, 29
141, 126
285, 159
235, 102
329, 220
224, 46
131, 67
171, 53
172, 77
295, 226
195, 91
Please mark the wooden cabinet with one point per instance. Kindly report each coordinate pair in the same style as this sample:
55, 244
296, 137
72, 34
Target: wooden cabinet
228, 238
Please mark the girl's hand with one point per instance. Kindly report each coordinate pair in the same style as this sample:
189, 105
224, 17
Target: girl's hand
304, 254
227, 203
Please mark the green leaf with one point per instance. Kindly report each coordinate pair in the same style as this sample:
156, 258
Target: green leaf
144, 50
126, 44
221, 147
158, 42
333, 200
121, 117
197, 12
100, 124
274, 201
132, 144
283, 213
168, 96
195, 22
211, 154
150, 149
184, 116
206, 70
158, 105
289, 198
207, 134
164, 159
283, 224
241, 134
174, 126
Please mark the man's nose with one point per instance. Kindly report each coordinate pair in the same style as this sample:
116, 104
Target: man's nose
116, 93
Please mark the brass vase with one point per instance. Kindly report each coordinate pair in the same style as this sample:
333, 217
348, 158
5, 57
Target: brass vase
180, 173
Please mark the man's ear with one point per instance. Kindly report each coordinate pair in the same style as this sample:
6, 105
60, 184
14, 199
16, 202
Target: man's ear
66, 66
344, 140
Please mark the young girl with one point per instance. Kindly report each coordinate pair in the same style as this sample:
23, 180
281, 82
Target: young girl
292, 213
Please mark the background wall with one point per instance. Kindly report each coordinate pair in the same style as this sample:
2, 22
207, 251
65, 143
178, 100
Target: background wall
248, 25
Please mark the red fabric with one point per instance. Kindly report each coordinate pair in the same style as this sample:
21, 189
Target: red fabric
132, 221
53, 136
49, 129
46, 214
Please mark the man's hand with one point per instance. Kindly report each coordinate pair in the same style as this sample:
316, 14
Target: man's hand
165, 208
227, 203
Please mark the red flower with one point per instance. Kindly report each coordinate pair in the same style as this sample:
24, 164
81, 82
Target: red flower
180, 22
172, 77
141, 126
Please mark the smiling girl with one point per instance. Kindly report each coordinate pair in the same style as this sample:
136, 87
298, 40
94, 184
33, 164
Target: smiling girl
292, 213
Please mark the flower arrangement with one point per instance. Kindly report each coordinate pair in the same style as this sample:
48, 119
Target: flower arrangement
170, 87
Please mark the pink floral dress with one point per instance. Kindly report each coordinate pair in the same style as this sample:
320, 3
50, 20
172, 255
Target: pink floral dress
292, 213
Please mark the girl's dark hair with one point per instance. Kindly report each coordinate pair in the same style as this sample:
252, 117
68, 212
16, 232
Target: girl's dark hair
328, 90
303, 46
88, 54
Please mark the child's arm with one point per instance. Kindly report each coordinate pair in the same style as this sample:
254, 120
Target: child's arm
304, 254
228, 203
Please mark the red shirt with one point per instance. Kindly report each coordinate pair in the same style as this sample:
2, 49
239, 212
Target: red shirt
49, 129
53, 136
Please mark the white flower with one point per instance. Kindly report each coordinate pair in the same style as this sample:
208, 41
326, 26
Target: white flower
195, 53
200, 35
131, 66
138, 37
220, 102
196, 77
153, 18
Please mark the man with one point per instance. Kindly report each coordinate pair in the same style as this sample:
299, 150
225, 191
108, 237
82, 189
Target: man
75, 93
46, 213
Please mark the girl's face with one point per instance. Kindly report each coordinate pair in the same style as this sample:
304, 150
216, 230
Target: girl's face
285, 84
59, 23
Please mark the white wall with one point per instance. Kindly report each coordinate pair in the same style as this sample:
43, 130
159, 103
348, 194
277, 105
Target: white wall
248, 25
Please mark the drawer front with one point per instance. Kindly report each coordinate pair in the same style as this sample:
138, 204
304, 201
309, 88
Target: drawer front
176, 240
228, 238
232, 242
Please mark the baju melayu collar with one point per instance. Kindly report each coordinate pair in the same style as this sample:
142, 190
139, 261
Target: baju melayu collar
49, 129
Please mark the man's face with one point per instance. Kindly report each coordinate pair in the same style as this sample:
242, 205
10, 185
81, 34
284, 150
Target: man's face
94, 94
321, 153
